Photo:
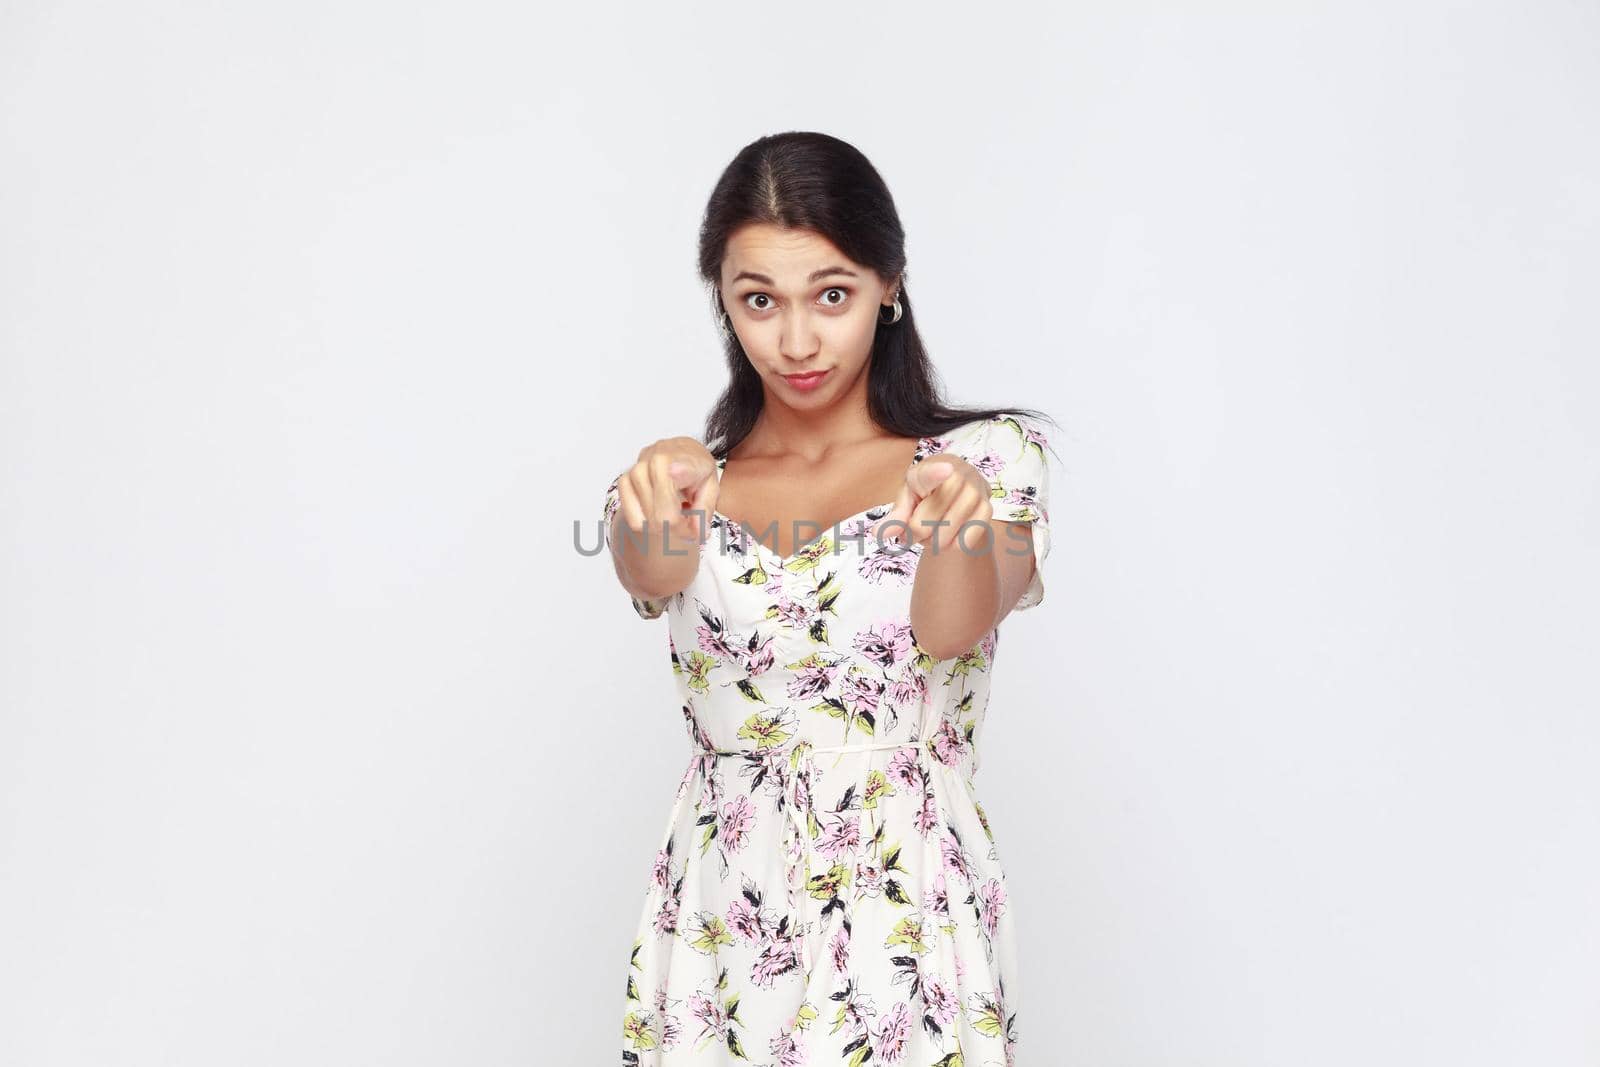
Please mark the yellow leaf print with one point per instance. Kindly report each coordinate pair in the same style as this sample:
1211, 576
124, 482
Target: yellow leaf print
712, 933
969, 661
808, 558
734, 1046
637, 1031
754, 576
827, 885
700, 665
988, 1021
908, 932
877, 786
833, 706
983, 820
765, 730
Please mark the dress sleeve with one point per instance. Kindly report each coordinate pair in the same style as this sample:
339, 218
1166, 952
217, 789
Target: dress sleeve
647, 609
1010, 451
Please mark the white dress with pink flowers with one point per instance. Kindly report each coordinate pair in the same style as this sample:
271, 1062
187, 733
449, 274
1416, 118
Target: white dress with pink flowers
828, 889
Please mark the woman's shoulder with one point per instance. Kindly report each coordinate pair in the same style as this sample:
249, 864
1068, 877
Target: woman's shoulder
978, 434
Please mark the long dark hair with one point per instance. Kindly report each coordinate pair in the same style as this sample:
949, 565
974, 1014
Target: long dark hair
811, 181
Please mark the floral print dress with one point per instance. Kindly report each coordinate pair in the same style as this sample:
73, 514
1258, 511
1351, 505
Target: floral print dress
828, 889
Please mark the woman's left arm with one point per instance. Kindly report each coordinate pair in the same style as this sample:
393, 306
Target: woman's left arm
963, 591
966, 584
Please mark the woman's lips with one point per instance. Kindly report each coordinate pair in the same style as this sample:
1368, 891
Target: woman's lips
806, 381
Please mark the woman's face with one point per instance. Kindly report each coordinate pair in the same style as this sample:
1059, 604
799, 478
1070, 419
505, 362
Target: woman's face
799, 306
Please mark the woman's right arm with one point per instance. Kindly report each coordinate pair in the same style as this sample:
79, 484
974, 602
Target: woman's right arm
655, 519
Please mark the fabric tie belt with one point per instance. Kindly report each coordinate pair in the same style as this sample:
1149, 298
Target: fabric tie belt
798, 804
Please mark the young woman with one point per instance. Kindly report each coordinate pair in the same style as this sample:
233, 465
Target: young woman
833, 569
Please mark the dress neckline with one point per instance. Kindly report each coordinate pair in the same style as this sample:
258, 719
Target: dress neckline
811, 543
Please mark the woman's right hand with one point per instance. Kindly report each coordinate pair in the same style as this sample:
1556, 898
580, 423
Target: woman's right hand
672, 485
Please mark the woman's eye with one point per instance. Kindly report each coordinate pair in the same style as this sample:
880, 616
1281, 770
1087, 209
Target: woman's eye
766, 301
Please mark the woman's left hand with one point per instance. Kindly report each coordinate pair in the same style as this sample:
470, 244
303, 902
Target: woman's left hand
940, 494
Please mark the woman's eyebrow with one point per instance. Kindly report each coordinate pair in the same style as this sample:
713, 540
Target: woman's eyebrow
764, 280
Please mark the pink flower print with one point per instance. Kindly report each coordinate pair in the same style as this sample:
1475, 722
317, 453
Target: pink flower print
885, 644
991, 904
904, 769
756, 658
927, 817
889, 1047
1022, 498
668, 1023
777, 957
947, 744
790, 1052
936, 900
813, 678
941, 999
888, 564
666, 919
737, 819
986, 645
955, 858
860, 691
989, 463
841, 832
713, 640
839, 951
909, 689
713, 1019
961, 969
661, 872
744, 920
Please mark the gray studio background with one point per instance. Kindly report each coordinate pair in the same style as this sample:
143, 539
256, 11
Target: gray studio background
321, 325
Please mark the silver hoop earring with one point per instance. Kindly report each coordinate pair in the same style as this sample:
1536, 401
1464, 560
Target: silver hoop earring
897, 313
724, 324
